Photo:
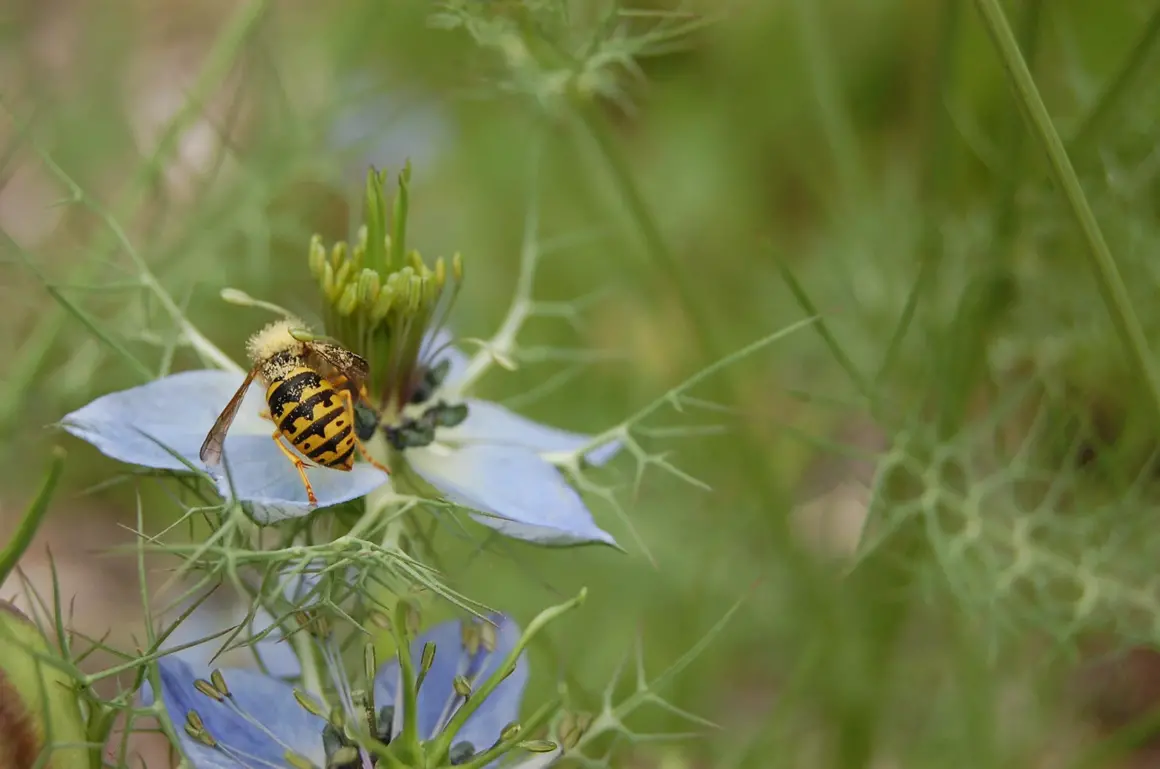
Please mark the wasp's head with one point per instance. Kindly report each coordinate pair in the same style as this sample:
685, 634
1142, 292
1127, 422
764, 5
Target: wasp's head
274, 347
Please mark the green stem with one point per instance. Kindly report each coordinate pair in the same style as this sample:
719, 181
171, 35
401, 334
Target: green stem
410, 736
1112, 289
33, 517
1113, 93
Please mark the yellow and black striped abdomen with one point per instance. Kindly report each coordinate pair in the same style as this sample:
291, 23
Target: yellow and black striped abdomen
314, 417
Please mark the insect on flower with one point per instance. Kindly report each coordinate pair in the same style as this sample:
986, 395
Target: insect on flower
312, 388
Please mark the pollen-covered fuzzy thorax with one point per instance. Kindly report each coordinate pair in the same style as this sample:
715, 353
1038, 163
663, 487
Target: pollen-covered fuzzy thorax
274, 350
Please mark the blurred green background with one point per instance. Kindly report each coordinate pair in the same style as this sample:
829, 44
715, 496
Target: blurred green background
695, 158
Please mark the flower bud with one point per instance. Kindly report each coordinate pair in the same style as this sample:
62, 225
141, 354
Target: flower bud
38, 703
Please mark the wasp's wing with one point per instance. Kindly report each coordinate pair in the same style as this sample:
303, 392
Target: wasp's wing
354, 367
211, 449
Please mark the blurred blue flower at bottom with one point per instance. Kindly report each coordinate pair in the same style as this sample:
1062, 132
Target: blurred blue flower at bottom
247, 719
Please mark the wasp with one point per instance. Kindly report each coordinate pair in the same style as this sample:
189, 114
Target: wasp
314, 393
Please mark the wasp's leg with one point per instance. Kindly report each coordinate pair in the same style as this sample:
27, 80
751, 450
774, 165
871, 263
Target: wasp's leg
362, 449
299, 465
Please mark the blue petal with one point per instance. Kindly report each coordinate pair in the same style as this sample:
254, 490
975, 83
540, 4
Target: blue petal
282, 724
437, 697
261, 474
493, 424
136, 425
526, 497
176, 412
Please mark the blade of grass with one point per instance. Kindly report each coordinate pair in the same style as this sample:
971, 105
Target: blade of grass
33, 516
1113, 94
1111, 285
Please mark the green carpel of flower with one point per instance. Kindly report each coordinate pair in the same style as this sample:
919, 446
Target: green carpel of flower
381, 300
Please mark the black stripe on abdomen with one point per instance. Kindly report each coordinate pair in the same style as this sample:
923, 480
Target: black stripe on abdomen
290, 391
304, 410
318, 426
330, 445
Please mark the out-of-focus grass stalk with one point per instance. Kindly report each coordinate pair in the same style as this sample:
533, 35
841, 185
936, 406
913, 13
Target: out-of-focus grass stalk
25, 367
1112, 289
879, 585
934, 179
836, 123
33, 516
1113, 93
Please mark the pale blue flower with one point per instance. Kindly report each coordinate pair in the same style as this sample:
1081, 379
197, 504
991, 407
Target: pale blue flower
261, 723
493, 462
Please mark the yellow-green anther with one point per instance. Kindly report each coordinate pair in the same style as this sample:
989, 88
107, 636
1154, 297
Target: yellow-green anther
469, 633
296, 761
206, 688
425, 663
379, 619
383, 304
487, 636
219, 682
457, 267
362, 236
201, 735
309, 704
538, 746
342, 757
343, 274
370, 661
415, 293
317, 256
414, 620
369, 285
440, 272
328, 281
347, 303
428, 658
415, 261
192, 718
358, 254
338, 254
573, 726
510, 732
462, 686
